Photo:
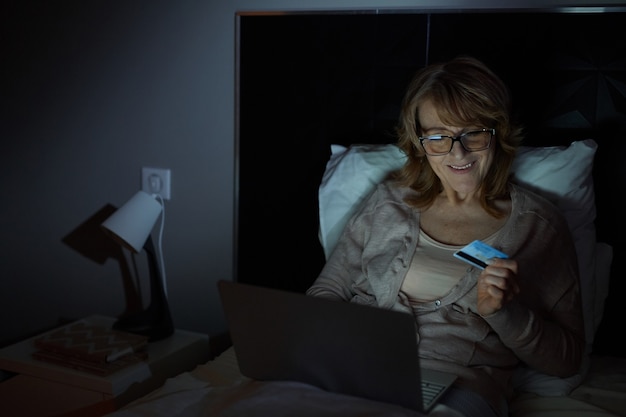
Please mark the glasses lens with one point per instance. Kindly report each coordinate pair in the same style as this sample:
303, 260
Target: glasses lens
437, 145
476, 140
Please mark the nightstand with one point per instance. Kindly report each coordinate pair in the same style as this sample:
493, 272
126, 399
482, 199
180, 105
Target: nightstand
42, 389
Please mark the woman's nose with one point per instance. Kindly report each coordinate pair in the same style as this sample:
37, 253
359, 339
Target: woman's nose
457, 148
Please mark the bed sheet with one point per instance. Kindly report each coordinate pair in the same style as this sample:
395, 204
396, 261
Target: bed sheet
217, 388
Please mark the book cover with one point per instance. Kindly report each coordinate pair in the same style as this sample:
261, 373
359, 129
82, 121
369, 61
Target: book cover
97, 368
89, 342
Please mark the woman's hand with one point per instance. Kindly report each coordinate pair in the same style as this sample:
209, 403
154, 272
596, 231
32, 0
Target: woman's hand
497, 285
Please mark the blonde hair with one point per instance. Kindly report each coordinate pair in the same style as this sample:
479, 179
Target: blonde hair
465, 92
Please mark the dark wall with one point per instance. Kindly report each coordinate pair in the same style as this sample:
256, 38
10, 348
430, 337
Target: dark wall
91, 92
308, 81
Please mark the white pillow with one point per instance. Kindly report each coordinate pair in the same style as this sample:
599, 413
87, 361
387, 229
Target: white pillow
563, 175
560, 173
350, 175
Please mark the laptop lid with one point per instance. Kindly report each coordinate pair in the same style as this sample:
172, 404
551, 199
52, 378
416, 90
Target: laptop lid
338, 346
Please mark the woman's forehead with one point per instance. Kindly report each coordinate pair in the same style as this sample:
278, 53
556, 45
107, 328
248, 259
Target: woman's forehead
432, 114
431, 117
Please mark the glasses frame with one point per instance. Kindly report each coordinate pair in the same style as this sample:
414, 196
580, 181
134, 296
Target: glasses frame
459, 139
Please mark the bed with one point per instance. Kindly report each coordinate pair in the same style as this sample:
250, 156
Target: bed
217, 388
315, 112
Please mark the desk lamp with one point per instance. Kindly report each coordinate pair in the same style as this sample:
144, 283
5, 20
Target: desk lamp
131, 227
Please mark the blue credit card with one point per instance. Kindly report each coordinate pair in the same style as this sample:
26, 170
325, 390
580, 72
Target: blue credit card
478, 253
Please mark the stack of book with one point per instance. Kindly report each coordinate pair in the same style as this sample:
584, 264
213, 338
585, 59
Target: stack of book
95, 349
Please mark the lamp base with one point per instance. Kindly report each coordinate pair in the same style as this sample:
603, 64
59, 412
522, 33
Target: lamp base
147, 323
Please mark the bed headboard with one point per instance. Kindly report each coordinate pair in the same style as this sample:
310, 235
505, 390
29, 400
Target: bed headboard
309, 80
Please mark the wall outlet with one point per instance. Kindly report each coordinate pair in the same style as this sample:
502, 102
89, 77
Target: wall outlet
156, 181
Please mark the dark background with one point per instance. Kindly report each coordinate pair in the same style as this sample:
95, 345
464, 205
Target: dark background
308, 81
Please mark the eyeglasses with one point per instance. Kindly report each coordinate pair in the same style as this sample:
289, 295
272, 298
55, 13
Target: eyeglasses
474, 140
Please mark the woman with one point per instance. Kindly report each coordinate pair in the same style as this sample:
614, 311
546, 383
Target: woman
397, 250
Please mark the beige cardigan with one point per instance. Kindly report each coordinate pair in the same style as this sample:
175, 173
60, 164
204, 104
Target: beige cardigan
542, 327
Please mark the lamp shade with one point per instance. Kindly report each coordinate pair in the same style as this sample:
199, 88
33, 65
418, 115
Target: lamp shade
132, 223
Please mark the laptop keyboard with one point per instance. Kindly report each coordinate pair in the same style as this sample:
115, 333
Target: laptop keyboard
430, 390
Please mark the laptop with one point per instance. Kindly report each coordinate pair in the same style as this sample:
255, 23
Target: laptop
338, 346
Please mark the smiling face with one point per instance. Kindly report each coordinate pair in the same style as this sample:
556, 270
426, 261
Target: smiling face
461, 172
